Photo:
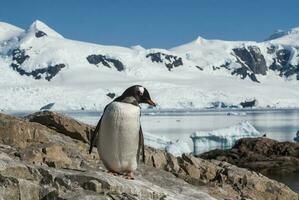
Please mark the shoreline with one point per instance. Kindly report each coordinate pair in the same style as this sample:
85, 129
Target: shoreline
164, 112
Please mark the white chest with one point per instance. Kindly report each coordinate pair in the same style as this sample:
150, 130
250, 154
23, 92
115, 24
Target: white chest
119, 136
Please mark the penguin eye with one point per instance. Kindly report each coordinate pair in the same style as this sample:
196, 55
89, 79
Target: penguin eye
139, 93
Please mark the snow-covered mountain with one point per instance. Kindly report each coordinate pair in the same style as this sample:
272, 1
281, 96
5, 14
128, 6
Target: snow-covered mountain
39, 66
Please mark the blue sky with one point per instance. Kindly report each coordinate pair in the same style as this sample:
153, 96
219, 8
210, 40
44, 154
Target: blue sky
155, 23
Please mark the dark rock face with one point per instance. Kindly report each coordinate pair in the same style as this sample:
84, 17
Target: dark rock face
245, 72
39, 34
169, 60
49, 72
283, 56
271, 49
252, 62
282, 65
111, 95
19, 57
253, 58
108, 62
248, 104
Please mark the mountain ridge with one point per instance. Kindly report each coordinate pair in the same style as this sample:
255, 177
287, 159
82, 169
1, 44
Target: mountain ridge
41, 55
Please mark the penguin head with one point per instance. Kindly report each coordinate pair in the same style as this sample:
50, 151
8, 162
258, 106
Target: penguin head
140, 93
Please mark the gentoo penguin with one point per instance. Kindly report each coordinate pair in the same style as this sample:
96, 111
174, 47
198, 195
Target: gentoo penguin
120, 138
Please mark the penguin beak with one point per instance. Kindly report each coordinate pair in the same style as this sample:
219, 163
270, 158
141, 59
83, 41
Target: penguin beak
150, 102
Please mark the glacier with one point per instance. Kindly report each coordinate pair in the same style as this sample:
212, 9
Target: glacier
225, 138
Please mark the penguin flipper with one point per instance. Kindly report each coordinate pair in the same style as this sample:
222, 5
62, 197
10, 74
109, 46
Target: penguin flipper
95, 133
141, 146
94, 136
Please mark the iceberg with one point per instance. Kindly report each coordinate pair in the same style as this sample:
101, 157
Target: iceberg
222, 138
176, 148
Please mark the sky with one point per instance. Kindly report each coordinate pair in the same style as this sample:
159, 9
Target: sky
155, 23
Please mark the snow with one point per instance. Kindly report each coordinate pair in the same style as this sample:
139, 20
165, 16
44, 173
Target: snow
84, 85
8, 31
204, 141
176, 148
290, 37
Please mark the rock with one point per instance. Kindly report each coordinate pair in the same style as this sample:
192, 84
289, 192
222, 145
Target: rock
248, 104
172, 164
170, 61
28, 189
111, 95
159, 160
93, 185
55, 156
62, 124
51, 165
39, 34
19, 57
237, 183
283, 66
260, 154
104, 60
50, 183
251, 60
19, 133
9, 188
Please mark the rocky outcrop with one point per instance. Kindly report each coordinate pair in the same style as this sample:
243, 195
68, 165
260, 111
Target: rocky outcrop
248, 104
260, 154
170, 61
228, 180
111, 95
283, 66
252, 62
51, 165
23, 181
40, 162
62, 124
39, 34
104, 60
252, 58
19, 57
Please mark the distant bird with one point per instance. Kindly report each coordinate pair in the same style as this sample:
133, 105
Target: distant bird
120, 140
47, 107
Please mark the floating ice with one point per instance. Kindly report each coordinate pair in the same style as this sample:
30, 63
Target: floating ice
176, 148
222, 138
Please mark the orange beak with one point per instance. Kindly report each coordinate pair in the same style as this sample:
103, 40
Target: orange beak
150, 102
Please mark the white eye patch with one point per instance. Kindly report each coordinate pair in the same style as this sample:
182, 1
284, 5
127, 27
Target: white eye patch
141, 90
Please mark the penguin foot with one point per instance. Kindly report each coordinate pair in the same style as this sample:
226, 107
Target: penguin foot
114, 173
129, 176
